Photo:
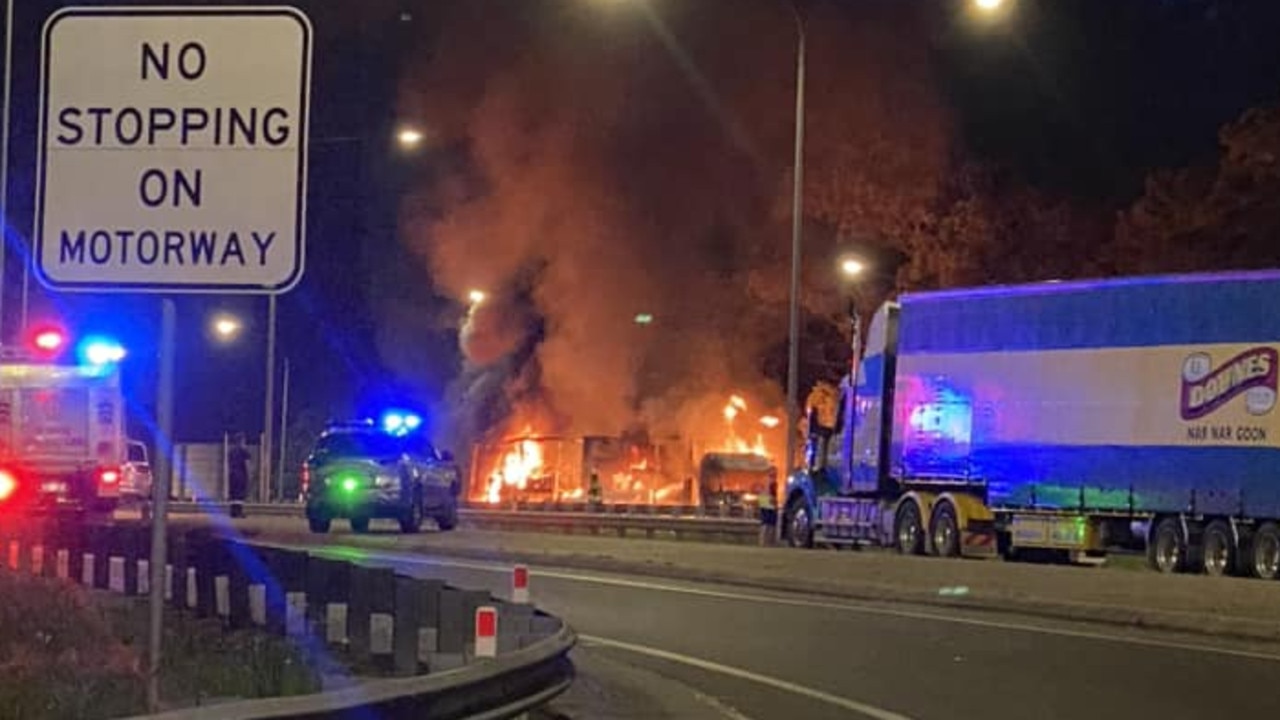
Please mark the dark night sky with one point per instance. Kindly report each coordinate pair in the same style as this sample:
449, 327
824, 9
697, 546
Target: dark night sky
1087, 95
1077, 96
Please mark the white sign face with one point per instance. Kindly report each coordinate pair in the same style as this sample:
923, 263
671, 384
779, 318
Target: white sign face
173, 149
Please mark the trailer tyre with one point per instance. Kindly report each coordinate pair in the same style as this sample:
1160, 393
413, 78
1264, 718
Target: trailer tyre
797, 523
1264, 560
1167, 549
945, 531
1219, 554
908, 530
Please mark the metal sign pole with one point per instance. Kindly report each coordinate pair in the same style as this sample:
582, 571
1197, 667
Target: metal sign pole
4, 154
160, 496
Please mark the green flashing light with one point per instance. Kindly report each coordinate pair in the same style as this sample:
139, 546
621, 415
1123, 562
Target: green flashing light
644, 318
348, 483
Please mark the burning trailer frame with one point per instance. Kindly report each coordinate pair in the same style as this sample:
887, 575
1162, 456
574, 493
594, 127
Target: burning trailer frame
535, 468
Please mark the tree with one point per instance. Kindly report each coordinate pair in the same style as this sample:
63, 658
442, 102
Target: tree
1221, 216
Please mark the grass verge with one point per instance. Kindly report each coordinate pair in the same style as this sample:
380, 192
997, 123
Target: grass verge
66, 652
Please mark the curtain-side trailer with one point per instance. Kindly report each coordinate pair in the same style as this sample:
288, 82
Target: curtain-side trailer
1063, 417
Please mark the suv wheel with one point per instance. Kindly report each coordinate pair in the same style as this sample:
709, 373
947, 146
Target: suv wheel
448, 520
319, 525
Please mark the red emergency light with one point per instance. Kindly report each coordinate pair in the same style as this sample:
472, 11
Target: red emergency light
47, 340
109, 476
8, 485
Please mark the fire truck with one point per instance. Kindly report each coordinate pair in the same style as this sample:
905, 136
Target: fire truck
62, 436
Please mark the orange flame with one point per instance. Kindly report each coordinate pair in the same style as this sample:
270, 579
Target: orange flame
736, 443
514, 469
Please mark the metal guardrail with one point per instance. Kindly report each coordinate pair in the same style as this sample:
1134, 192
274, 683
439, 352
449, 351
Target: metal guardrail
613, 520
214, 577
496, 689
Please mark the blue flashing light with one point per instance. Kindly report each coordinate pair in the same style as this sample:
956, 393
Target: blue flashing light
97, 350
396, 422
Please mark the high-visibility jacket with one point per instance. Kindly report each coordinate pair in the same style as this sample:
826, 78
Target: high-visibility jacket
767, 502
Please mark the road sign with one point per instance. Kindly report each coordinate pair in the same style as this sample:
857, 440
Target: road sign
173, 149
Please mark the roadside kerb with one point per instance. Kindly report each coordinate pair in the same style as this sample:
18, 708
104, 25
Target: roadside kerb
401, 625
1133, 617
1221, 607
990, 585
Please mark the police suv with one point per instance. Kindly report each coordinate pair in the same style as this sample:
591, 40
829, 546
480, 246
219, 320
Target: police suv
362, 471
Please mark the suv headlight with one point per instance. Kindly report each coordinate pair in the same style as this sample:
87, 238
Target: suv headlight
385, 482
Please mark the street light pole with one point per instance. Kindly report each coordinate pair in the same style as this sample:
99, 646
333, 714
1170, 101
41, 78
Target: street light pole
797, 213
284, 426
268, 410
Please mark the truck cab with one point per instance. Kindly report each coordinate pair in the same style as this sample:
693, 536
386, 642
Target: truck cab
845, 487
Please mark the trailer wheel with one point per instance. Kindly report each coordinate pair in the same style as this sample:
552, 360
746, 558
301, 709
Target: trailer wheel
1265, 556
908, 530
1219, 554
797, 523
1167, 549
945, 531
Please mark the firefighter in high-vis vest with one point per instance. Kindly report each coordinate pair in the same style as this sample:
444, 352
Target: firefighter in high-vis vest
768, 503
595, 496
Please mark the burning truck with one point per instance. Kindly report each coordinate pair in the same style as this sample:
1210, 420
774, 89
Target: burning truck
728, 470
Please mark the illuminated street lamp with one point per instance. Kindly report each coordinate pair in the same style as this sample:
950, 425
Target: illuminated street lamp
226, 327
409, 138
988, 5
852, 267
476, 297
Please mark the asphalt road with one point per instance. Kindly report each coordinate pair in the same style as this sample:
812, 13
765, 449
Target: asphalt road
670, 649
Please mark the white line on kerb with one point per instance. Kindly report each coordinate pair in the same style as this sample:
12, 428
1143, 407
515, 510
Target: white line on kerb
719, 706
870, 711
824, 605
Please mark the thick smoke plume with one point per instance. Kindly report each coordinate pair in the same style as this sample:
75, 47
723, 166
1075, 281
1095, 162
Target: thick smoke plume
602, 161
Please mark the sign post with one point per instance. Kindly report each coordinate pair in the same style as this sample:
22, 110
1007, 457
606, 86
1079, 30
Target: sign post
172, 159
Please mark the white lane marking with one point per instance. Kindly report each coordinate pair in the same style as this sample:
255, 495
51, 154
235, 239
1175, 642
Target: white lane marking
536, 572
719, 706
864, 709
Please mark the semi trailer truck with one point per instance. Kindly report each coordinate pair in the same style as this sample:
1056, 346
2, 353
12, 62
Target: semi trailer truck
1061, 418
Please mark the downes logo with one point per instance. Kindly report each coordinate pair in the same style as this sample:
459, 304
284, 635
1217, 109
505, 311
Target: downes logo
1206, 388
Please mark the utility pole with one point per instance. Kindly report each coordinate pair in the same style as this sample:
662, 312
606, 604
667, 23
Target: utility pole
797, 215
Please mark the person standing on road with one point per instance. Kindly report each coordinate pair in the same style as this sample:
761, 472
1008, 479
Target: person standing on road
594, 494
768, 514
238, 475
